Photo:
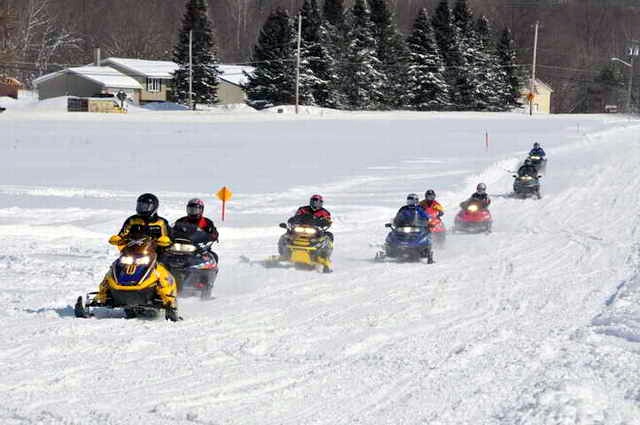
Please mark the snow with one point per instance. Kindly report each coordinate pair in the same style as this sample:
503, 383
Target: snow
103, 75
537, 323
145, 68
235, 74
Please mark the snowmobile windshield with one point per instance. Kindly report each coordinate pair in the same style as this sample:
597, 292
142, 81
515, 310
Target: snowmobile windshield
305, 220
190, 233
409, 219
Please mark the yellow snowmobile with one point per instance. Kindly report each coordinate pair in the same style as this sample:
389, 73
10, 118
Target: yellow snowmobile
306, 245
135, 282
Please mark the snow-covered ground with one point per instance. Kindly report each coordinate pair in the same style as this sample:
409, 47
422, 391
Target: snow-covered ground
537, 323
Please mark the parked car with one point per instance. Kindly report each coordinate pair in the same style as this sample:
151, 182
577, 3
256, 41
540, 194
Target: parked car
259, 104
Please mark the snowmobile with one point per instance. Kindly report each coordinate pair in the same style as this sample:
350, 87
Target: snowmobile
473, 218
408, 242
526, 186
438, 231
308, 246
191, 260
134, 282
539, 162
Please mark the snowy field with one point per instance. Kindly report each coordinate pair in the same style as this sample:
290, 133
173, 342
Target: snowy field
537, 323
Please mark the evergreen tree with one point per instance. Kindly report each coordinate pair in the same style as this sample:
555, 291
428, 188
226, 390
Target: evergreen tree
273, 58
205, 70
317, 65
507, 59
426, 86
476, 61
456, 72
362, 80
333, 12
392, 52
493, 84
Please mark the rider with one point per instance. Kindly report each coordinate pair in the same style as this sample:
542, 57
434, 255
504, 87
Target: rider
145, 222
431, 206
527, 169
321, 218
537, 151
479, 195
195, 209
411, 213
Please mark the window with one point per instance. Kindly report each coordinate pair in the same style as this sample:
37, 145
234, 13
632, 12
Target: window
153, 85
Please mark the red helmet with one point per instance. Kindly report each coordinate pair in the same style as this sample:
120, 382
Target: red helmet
316, 202
195, 208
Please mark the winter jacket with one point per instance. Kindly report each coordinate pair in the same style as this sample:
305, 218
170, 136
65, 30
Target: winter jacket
537, 152
321, 216
203, 223
433, 208
154, 226
411, 215
527, 170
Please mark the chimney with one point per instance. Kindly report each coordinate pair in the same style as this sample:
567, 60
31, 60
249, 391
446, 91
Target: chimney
97, 56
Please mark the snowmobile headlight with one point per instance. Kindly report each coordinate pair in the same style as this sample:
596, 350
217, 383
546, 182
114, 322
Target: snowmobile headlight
126, 260
183, 247
526, 178
408, 229
143, 260
535, 157
472, 208
305, 230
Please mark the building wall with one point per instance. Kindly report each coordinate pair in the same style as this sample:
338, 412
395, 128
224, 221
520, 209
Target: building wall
67, 85
229, 93
144, 96
541, 103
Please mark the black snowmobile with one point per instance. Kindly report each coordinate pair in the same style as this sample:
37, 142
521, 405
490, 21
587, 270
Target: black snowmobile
191, 260
526, 186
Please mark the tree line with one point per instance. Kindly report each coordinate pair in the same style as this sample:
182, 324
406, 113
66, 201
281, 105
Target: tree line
577, 37
357, 59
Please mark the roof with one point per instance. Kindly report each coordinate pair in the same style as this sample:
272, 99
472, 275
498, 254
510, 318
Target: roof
539, 85
103, 75
234, 74
144, 68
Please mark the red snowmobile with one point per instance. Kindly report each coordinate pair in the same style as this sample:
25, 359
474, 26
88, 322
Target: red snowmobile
473, 217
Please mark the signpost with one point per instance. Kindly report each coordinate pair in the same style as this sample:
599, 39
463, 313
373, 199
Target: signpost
224, 195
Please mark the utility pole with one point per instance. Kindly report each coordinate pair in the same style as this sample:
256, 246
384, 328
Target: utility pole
298, 63
532, 86
191, 70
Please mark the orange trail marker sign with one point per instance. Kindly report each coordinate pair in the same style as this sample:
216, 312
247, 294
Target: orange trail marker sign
224, 195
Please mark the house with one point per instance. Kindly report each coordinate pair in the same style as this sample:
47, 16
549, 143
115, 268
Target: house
155, 78
144, 81
541, 97
9, 87
87, 81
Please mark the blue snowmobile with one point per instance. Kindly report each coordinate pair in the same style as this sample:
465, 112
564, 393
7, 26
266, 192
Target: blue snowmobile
409, 240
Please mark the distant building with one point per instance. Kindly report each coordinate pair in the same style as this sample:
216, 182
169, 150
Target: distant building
86, 81
541, 98
9, 87
144, 81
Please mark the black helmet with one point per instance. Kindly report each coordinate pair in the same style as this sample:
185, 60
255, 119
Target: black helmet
430, 195
195, 208
412, 199
536, 145
147, 205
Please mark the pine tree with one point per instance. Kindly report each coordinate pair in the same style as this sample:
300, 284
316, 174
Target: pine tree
456, 72
362, 80
426, 86
476, 62
507, 59
205, 70
493, 86
334, 32
317, 65
273, 58
333, 12
392, 52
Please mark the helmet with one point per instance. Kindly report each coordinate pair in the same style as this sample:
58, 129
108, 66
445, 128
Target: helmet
536, 145
412, 199
147, 205
430, 195
315, 202
481, 188
195, 208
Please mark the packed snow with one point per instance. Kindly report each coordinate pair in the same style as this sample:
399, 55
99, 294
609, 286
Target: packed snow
536, 323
